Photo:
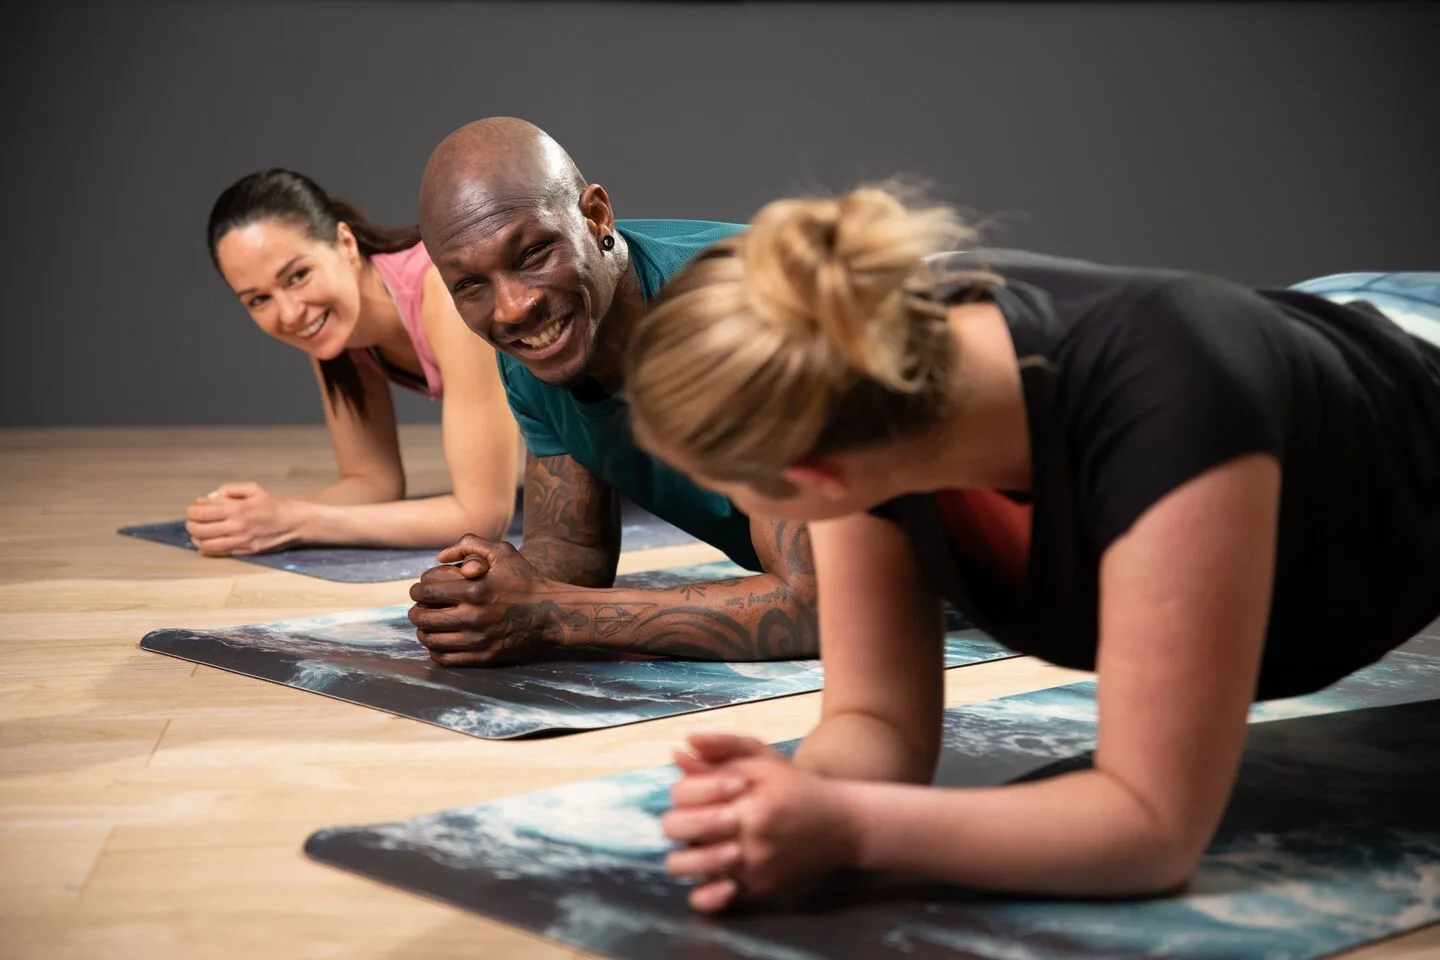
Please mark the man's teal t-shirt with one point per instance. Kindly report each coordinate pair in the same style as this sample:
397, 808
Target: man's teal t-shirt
597, 435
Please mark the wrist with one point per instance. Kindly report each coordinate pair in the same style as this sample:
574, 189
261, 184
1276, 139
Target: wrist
305, 520
826, 752
856, 828
808, 759
568, 629
857, 746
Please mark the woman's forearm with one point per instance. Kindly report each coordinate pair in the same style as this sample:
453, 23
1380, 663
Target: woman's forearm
432, 522
355, 490
858, 746
1077, 834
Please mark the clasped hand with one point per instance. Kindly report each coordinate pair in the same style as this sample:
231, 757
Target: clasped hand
240, 519
752, 825
485, 606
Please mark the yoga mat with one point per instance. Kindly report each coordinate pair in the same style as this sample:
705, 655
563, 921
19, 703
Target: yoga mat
1332, 840
639, 530
1412, 300
371, 657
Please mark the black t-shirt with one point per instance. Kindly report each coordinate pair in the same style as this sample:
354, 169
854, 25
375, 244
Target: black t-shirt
1138, 380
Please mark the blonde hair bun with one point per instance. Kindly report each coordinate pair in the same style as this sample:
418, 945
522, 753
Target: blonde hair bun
816, 329
852, 270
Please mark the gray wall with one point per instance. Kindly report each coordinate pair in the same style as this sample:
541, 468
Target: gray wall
1264, 142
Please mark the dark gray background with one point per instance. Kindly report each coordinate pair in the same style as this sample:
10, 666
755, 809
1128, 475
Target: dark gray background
1267, 143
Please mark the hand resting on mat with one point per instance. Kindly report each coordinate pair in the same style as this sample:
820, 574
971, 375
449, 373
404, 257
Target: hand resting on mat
748, 819
241, 519
486, 610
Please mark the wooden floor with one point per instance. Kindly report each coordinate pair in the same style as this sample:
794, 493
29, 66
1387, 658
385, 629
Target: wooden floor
152, 808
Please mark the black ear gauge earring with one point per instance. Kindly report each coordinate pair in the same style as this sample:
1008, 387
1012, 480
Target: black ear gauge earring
607, 242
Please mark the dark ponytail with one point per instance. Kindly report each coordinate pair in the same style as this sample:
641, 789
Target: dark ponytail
294, 198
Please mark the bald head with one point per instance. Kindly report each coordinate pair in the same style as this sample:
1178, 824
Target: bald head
529, 251
488, 169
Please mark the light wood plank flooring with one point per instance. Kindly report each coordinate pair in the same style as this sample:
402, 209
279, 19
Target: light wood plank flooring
151, 808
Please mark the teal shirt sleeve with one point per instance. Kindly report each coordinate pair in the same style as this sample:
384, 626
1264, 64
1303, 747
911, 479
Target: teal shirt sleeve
522, 394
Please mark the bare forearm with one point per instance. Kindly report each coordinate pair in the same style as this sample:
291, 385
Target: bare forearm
354, 490
1077, 834
431, 522
752, 618
858, 746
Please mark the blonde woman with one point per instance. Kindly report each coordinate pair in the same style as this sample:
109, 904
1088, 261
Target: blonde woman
1166, 477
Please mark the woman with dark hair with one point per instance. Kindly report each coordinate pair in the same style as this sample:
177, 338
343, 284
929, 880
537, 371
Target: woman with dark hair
369, 308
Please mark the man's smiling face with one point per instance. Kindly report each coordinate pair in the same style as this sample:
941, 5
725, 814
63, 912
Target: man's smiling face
528, 276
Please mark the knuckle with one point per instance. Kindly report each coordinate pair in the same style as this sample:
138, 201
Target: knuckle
439, 574
764, 820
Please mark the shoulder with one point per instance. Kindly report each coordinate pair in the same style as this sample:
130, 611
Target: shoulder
675, 231
441, 325
432, 285
659, 249
410, 264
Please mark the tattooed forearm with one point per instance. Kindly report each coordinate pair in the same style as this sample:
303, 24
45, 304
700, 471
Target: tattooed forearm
546, 621
756, 618
769, 616
572, 537
572, 522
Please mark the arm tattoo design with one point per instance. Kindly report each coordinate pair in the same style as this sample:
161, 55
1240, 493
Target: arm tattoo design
769, 616
572, 522
545, 621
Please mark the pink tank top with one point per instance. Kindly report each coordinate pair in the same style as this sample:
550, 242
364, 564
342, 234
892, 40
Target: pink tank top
404, 274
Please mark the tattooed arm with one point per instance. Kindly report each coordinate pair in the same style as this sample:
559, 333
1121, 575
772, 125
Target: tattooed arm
770, 616
572, 522
500, 606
